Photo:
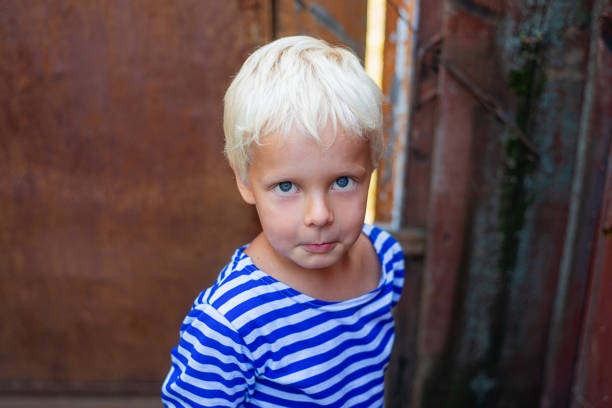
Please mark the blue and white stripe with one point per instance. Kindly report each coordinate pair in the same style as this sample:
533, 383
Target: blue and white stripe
252, 341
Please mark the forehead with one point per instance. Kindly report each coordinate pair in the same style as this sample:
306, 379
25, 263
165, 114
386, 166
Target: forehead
328, 140
295, 150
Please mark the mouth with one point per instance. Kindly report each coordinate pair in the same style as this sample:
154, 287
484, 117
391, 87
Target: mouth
319, 248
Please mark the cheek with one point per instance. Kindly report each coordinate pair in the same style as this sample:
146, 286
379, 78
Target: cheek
278, 215
352, 205
350, 217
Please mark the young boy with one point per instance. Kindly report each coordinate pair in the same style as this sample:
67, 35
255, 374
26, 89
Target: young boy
301, 316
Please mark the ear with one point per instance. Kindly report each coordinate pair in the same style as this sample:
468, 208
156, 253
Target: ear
245, 189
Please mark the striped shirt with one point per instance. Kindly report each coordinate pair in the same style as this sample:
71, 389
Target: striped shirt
252, 341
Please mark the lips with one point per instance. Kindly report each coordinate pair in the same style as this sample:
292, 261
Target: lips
319, 248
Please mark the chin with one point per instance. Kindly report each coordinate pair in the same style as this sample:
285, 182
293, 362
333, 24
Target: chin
318, 261
316, 265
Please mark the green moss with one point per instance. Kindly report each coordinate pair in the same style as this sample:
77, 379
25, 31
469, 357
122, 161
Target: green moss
527, 83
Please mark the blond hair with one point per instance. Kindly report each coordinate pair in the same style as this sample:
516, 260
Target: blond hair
299, 83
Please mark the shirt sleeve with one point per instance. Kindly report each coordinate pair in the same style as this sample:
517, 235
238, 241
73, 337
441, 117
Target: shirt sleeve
398, 273
210, 366
393, 260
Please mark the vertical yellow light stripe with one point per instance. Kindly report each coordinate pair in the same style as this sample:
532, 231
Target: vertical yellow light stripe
375, 41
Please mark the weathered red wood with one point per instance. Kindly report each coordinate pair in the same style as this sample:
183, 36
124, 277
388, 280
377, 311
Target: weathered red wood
425, 115
589, 186
489, 288
414, 208
593, 387
450, 192
593, 373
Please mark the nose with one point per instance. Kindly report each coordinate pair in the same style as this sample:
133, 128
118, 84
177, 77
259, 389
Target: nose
318, 212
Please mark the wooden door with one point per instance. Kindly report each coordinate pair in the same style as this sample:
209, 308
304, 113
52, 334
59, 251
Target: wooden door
592, 386
593, 383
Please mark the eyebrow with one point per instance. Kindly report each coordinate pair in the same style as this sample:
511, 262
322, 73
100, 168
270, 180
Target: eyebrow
356, 171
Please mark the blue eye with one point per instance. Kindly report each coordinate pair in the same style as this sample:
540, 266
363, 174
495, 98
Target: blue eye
285, 187
343, 183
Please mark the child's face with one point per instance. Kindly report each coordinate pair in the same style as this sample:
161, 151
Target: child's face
310, 197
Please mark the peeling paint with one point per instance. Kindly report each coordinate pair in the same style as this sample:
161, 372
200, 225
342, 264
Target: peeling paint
399, 95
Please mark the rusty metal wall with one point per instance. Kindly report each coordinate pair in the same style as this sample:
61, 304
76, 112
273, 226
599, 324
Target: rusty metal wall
116, 204
339, 22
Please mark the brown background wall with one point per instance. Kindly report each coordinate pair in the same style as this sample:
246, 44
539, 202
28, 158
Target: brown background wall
116, 205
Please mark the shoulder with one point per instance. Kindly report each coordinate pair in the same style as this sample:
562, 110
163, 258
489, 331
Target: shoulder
390, 256
383, 242
212, 314
233, 281
205, 306
241, 292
